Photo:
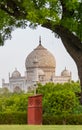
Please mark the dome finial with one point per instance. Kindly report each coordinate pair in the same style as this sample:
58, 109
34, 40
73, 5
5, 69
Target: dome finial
39, 40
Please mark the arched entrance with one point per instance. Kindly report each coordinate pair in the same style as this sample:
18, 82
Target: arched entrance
17, 89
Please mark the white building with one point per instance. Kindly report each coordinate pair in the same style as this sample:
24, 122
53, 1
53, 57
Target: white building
40, 67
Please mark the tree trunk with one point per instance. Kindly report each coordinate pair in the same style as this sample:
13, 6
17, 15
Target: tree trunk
80, 76
74, 47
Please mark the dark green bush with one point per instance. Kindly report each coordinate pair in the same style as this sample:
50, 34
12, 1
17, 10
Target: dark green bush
13, 118
21, 118
52, 120
74, 119
58, 120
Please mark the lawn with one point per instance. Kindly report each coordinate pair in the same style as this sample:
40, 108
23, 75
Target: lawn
40, 127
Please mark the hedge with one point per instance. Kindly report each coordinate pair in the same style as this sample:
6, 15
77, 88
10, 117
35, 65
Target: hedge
21, 118
57, 120
74, 119
13, 118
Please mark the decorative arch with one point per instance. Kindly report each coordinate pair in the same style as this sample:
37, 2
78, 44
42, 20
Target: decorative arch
17, 89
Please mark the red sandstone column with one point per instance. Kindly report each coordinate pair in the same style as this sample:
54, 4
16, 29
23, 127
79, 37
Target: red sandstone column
35, 110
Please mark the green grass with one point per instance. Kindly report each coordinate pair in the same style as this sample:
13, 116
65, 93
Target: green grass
41, 127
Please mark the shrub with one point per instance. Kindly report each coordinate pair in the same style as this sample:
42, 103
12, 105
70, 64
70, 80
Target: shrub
74, 119
58, 120
52, 120
13, 118
21, 118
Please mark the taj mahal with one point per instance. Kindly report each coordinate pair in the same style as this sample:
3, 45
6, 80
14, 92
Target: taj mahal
40, 68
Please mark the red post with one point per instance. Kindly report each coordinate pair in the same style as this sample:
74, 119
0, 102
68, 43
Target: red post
35, 110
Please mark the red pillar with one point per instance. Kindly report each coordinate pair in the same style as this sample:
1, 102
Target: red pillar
35, 110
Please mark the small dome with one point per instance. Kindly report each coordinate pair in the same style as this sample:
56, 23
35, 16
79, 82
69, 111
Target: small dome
40, 72
65, 72
16, 74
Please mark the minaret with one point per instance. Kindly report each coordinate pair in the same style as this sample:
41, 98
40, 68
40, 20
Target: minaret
39, 40
3, 82
9, 74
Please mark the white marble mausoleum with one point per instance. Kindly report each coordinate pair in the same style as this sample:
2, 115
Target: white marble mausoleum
40, 67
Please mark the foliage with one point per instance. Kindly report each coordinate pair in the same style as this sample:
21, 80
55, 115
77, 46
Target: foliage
49, 87
17, 13
54, 96
21, 118
14, 103
13, 118
58, 120
77, 109
59, 102
60, 99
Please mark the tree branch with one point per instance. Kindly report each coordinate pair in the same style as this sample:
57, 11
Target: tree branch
65, 11
64, 32
13, 9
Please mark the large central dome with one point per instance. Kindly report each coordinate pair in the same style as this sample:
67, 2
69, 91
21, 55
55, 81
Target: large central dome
44, 57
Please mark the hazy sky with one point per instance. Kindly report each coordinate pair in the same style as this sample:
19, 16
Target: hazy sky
15, 51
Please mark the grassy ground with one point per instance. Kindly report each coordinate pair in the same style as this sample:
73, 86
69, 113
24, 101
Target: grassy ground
43, 127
